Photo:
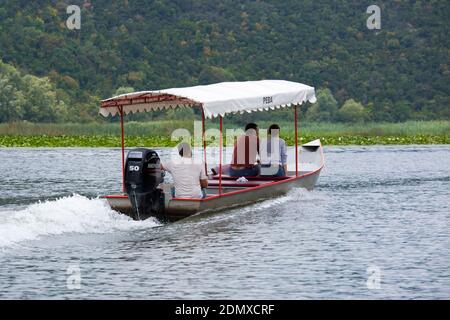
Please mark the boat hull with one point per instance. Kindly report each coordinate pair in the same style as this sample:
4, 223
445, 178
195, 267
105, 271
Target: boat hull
234, 194
179, 209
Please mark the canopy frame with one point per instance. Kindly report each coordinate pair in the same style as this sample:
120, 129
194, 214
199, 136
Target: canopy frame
170, 98
145, 98
204, 145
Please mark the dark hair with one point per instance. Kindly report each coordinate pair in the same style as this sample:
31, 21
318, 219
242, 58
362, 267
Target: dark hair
251, 125
273, 127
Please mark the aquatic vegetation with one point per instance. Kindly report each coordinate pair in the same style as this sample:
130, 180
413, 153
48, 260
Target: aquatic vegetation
81, 141
157, 133
163, 141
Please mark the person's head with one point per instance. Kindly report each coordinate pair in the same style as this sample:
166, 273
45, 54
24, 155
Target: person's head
184, 150
251, 128
274, 130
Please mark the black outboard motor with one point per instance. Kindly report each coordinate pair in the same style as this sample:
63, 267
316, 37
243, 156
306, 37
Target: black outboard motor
143, 174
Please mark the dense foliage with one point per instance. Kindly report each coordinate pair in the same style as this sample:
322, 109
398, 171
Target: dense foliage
397, 73
28, 97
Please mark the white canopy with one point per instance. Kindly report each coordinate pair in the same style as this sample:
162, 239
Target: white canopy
216, 99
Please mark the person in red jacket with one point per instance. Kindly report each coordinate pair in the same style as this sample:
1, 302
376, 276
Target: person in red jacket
245, 153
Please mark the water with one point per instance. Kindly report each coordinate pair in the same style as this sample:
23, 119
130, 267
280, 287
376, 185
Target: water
376, 226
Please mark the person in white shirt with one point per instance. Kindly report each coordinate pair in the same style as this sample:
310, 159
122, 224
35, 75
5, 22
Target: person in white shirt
273, 153
189, 177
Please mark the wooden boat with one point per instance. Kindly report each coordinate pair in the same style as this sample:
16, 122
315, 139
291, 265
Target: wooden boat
217, 100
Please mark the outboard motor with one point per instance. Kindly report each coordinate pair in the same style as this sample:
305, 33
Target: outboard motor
143, 174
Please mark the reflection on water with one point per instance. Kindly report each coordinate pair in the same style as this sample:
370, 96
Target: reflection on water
382, 207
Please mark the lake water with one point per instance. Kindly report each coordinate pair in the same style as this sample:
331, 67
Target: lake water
376, 226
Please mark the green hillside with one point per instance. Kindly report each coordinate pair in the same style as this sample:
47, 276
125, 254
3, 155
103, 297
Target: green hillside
397, 73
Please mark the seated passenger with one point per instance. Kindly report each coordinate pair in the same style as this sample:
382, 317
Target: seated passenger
273, 153
189, 178
245, 152
225, 170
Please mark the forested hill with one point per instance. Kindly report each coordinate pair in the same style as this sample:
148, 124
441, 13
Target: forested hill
398, 72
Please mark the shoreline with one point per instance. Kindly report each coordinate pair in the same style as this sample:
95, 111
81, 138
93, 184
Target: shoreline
158, 133
109, 141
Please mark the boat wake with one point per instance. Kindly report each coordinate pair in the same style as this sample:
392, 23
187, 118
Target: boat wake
293, 196
74, 214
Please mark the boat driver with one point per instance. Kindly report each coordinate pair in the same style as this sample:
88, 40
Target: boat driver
189, 177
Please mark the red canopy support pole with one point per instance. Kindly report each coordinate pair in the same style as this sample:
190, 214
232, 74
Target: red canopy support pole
123, 149
296, 140
204, 140
220, 155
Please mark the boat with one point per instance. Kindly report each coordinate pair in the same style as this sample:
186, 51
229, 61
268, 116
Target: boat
223, 191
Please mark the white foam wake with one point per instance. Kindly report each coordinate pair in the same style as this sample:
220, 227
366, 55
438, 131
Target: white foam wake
74, 214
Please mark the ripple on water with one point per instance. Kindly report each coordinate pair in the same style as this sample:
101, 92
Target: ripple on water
374, 207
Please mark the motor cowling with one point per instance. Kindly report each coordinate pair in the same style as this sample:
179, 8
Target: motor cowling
143, 174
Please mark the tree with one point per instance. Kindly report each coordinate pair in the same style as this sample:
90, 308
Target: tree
123, 90
352, 111
163, 44
401, 111
11, 100
325, 109
180, 113
28, 97
211, 74
41, 104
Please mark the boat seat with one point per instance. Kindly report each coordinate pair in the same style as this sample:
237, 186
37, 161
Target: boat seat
258, 178
236, 184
